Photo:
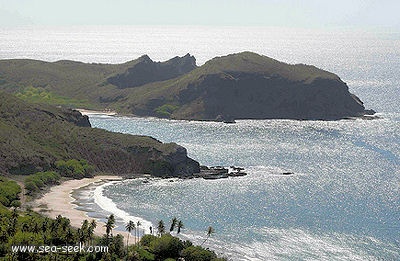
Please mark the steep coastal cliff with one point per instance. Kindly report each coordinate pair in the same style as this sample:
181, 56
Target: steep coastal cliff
33, 137
238, 86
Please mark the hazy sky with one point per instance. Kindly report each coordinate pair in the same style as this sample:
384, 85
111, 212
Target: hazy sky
306, 13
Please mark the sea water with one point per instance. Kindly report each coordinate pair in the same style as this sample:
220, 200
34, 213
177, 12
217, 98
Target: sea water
343, 200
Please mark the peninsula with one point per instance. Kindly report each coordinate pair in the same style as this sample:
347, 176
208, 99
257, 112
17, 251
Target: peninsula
34, 137
238, 86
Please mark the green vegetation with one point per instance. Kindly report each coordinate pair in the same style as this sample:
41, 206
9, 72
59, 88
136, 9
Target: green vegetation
35, 182
36, 138
9, 191
32, 229
164, 246
166, 110
224, 86
168, 247
75, 168
41, 95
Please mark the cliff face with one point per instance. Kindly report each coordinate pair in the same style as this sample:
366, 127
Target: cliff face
250, 86
146, 71
34, 137
256, 96
238, 86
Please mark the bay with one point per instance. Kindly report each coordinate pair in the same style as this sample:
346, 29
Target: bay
342, 203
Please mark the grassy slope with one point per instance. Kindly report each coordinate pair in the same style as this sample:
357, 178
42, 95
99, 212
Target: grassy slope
70, 79
246, 62
33, 137
89, 81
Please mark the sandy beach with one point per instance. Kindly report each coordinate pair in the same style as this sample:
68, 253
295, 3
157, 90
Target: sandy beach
58, 201
103, 112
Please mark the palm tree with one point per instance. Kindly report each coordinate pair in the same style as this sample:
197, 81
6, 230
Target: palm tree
138, 224
81, 235
161, 227
174, 222
85, 229
91, 229
110, 225
69, 237
210, 231
129, 227
180, 226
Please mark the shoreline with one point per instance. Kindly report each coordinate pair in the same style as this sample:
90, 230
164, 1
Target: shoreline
102, 112
59, 201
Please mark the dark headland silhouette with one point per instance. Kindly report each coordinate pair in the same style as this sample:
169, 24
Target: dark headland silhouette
237, 86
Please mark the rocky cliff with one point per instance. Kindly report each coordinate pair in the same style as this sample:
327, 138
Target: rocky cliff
147, 71
237, 86
250, 86
33, 137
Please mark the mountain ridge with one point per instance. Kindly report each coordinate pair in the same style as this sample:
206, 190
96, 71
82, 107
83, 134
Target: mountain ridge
237, 86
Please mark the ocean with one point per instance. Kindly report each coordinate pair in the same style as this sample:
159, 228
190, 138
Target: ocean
343, 201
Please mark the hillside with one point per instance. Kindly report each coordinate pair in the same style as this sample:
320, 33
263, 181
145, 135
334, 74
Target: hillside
238, 86
33, 137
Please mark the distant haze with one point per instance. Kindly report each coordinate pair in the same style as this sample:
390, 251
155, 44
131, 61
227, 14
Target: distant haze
288, 13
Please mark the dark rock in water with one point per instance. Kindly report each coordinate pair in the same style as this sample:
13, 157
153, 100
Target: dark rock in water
287, 173
202, 167
237, 174
236, 168
369, 112
216, 176
219, 172
147, 71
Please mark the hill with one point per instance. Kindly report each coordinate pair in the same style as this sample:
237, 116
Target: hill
33, 137
238, 86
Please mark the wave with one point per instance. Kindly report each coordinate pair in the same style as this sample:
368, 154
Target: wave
108, 205
293, 243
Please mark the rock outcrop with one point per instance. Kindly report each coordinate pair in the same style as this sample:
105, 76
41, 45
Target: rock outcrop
251, 86
257, 96
147, 71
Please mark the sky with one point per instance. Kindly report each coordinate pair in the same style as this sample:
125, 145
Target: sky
286, 13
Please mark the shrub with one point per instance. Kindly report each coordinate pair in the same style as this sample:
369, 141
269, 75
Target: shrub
197, 253
9, 191
166, 246
147, 239
165, 110
75, 168
35, 182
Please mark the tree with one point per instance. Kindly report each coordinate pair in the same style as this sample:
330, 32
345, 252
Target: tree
69, 236
138, 224
210, 231
174, 222
129, 227
91, 229
110, 225
180, 226
161, 227
197, 253
166, 246
85, 230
